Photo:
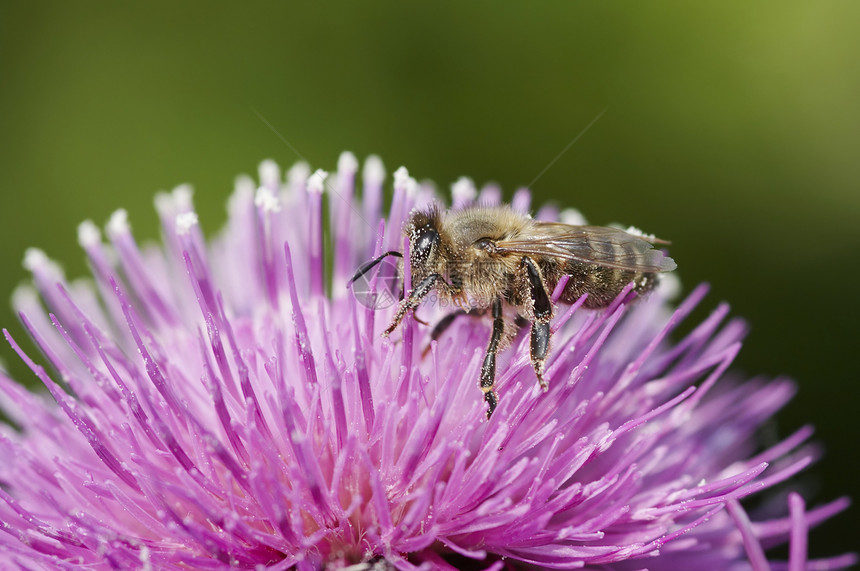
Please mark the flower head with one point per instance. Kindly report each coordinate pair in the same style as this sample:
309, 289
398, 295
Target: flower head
230, 404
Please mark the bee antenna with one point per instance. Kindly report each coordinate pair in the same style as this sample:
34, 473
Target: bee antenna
367, 266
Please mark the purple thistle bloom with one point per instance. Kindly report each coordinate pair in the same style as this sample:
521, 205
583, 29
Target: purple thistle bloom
219, 409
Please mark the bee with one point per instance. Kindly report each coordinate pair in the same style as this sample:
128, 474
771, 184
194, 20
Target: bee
493, 256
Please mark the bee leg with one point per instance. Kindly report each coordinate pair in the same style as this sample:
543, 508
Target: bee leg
444, 323
542, 307
415, 297
488, 368
418, 319
367, 266
441, 327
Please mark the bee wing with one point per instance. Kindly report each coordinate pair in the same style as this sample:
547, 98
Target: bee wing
607, 247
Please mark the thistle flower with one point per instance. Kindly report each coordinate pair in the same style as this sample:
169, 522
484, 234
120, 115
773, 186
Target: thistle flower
227, 405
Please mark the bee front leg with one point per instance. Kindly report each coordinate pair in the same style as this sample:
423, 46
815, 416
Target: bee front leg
415, 297
542, 309
488, 368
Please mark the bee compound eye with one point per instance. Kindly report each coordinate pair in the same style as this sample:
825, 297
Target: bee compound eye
424, 241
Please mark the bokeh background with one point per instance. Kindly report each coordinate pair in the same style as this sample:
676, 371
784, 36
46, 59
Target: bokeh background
731, 128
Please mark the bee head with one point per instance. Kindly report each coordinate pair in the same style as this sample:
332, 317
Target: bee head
424, 241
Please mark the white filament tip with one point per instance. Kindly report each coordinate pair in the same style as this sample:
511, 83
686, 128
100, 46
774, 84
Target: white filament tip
163, 202
374, 170
669, 286
185, 221
35, 258
572, 216
347, 163
37, 262
88, 234
182, 197
401, 177
298, 173
412, 187
270, 173
464, 190
266, 200
243, 185
316, 182
24, 297
637, 232
118, 223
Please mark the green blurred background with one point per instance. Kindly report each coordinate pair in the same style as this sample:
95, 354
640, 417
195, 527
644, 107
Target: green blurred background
732, 129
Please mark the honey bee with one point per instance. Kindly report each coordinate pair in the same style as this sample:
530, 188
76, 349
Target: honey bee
493, 256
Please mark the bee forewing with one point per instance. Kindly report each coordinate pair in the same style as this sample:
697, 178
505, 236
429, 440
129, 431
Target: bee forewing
607, 247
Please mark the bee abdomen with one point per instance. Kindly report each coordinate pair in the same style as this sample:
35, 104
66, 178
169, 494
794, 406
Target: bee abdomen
602, 284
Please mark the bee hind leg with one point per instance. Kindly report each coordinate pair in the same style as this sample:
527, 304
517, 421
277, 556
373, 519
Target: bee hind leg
488, 368
542, 308
539, 350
